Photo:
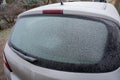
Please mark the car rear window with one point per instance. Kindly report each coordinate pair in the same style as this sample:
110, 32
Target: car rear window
61, 39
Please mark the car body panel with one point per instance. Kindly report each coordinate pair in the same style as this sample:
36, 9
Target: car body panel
96, 9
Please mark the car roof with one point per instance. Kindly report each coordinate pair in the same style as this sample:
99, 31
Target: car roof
97, 9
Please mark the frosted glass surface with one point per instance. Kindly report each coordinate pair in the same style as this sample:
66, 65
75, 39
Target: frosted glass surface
61, 39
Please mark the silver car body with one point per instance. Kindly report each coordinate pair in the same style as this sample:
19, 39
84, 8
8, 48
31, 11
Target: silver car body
23, 70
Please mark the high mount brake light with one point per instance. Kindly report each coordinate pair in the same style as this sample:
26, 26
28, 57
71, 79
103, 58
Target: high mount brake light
6, 62
52, 11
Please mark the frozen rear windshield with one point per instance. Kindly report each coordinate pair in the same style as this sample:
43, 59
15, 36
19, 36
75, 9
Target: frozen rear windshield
71, 40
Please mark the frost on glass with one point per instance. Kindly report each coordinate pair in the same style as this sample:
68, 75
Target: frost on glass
61, 39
